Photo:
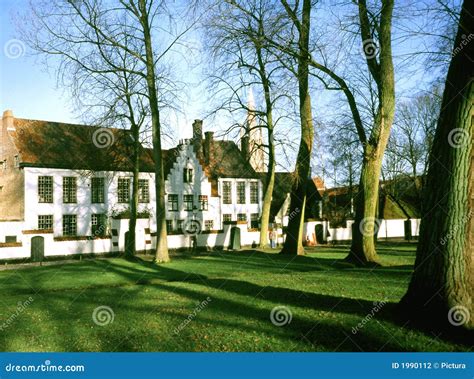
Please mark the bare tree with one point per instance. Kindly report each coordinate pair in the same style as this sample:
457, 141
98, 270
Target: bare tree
300, 18
243, 62
78, 31
375, 32
412, 137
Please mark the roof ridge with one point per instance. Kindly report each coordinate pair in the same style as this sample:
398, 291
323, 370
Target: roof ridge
69, 124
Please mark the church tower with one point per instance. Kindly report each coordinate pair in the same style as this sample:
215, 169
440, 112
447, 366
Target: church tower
252, 136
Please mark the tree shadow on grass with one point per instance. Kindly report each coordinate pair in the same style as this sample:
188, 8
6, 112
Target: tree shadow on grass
321, 302
242, 319
264, 260
301, 299
236, 305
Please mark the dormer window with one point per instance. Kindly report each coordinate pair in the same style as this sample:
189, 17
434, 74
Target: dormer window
188, 175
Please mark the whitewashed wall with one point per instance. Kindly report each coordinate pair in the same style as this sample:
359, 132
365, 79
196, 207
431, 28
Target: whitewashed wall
83, 208
235, 208
57, 247
174, 184
10, 228
387, 229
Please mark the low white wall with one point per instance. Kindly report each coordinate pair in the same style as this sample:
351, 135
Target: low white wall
146, 242
10, 228
387, 229
91, 246
121, 225
14, 253
341, 234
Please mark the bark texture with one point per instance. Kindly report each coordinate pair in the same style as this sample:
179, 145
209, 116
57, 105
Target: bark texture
363, 250
161, 255
441, 289
294, 234
130, 248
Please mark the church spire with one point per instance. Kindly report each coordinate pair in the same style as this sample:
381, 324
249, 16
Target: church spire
255, 135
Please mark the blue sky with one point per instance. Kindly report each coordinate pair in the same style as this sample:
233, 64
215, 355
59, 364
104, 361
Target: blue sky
26, 88
29, 89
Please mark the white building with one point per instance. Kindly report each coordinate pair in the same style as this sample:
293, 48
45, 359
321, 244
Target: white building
71, 183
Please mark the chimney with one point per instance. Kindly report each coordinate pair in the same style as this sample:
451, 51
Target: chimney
245, 147
208, 142
7, 121
197, 137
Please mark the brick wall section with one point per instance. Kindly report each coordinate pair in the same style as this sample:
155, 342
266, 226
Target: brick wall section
11, 178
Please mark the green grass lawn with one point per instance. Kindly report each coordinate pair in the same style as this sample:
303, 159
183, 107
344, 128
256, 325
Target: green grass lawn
227, 298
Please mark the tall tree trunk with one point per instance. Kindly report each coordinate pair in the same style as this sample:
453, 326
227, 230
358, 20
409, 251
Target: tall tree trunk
362, 250
294, 235
161, 236
365, 227
267, 198
441, 289
270, 179
130, 248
